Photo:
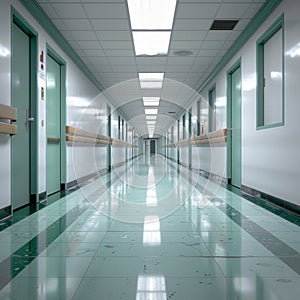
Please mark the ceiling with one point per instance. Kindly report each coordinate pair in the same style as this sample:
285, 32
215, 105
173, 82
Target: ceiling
100, 33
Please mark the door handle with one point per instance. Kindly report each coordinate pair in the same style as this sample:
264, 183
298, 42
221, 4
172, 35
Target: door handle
28, 119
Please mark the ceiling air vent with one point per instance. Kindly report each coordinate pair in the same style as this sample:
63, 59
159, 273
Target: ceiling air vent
223, 24
183, 53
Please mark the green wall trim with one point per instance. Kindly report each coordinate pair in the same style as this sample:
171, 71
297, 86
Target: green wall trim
20, 21
267, 35
260, 17
38, 13
63, 111
211, 107
236, 65
264, 12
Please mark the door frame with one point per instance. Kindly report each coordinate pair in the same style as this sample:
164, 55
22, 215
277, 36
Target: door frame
63, 147
23, 24
230, 71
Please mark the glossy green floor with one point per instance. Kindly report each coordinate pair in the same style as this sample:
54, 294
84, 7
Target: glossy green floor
151, 230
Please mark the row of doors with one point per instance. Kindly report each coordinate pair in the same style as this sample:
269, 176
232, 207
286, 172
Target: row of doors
24, 144
234, 149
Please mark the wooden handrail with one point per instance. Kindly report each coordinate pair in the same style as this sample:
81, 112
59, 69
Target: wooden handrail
82, 136
8, 128
80, 132
215, 137
210, 135
217, 140
8, 113
86, 140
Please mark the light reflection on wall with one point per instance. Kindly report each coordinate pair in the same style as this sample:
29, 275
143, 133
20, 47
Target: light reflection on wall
151, 234
249, 83
4, 52
151, 288
294, 51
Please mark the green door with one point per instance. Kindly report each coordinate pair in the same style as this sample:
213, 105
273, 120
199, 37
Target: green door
21, 100
152, 146
53, 123
236, 128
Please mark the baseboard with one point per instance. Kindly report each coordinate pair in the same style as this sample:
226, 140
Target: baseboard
42, 196
271, 199
5, 212
85, 179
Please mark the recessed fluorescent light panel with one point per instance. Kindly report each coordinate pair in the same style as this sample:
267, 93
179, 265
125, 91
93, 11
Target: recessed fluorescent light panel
151, 80
151, 101
150, 111
151, 14
151, 117
151, 42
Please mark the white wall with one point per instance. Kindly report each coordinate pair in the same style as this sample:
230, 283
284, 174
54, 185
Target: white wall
79, 88
270, 157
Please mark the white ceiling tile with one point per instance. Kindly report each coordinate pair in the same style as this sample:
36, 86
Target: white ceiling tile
85, 45
234, 35
114, 35
49, 10
124, 68
185, 45
198, 68
118, 52
106, 11
188, 35
241, 24
177, 60
177, 68
75, 45
110, 24
103, 68
84, 35
196, 10
116, 45
203, 59
218, 35
69, 10
232, 10
151, 68
204, 52
227, 44
94, 52
123, 60
222, 52
151, 60
192, 24
211, 45
68, 35
99, 60
252, 10
59, 24
78, 24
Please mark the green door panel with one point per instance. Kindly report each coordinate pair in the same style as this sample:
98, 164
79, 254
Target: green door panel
53, 121
21, 100
152, 147
236, 128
